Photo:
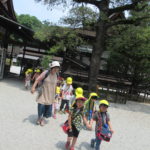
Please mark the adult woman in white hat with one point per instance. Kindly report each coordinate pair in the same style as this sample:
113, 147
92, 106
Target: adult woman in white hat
47, 96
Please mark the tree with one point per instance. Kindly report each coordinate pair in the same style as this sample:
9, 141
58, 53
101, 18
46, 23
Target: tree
131, 55
29, 21
59, 37
81, 17
45, 61
106, 9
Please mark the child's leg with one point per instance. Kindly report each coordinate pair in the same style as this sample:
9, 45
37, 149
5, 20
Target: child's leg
54, 110
67, 105
69, 139
74, 141
25, 84
62, 104
29, 84
93, 143
98, 142
75, 136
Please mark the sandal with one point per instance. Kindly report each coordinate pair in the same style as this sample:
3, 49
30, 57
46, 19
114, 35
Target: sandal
38, 122
42, 123
67, 145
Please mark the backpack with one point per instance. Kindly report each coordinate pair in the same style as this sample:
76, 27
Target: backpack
103, 132
40, 87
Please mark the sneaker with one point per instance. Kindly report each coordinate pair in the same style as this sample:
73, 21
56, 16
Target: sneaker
67, 145
92, 143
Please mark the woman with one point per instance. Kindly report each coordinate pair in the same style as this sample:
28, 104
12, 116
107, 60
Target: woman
47, 96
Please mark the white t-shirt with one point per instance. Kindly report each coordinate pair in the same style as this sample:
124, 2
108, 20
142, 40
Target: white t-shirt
67, 90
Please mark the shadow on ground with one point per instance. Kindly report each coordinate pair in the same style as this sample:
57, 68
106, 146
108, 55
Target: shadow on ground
85, 145
60, 145
32, 119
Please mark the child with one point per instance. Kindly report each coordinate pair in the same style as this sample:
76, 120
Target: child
67, 91
36, 74
75, 122
57, 99
103, 121
28, 75
89, 107
78, 93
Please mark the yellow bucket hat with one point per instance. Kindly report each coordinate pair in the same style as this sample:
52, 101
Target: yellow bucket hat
69, 80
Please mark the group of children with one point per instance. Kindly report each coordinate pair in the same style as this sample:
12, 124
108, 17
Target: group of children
82, 112
31, 75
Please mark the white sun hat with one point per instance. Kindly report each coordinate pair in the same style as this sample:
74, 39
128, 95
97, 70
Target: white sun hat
54, 64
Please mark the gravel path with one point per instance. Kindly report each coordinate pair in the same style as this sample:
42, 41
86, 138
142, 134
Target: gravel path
18, 130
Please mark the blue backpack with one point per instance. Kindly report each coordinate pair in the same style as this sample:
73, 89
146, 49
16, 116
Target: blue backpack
103, 132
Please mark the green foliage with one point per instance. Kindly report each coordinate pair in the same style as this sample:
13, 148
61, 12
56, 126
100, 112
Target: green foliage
130, 54
59, 37
29, 21
130, 45
45, 61
81, 16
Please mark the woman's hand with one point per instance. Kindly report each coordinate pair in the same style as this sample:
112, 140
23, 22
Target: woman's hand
32, 90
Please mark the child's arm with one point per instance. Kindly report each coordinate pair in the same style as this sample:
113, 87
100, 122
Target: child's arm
88, 125
110, 127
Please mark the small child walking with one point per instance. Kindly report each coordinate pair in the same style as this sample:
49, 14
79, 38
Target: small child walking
75, 119
28, 75
36, 75
102, 120
57, 100
89, 106
67, 92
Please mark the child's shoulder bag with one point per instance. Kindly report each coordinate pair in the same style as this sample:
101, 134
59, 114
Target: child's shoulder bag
103, 132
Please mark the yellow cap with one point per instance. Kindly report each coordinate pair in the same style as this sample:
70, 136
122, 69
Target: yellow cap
30, 70
57, 90
93, 95
79, 92
69, 80
38, 70
105, 102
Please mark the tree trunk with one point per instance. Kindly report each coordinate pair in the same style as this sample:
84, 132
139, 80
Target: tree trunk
96, 55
